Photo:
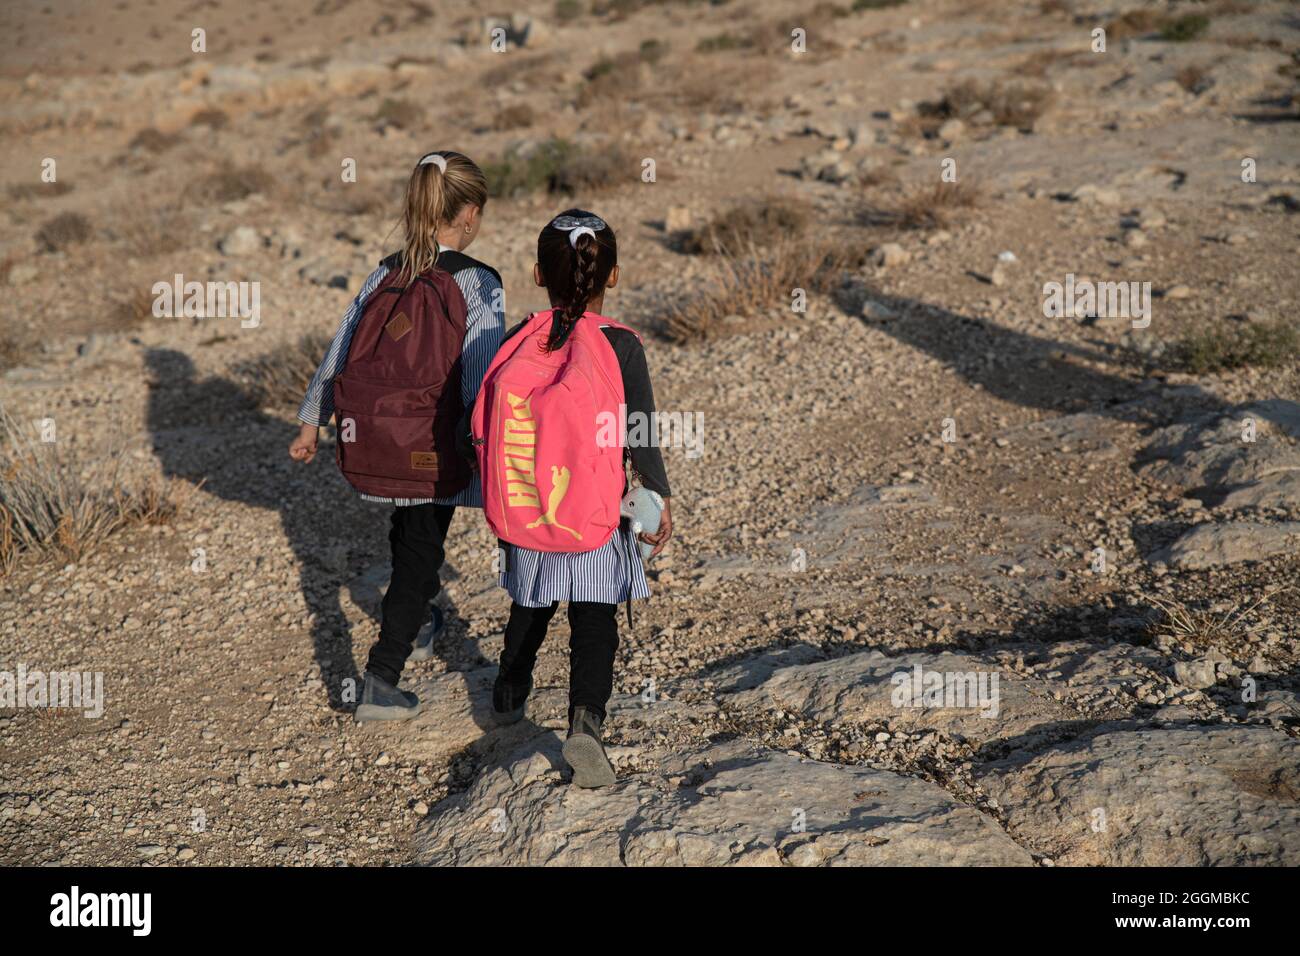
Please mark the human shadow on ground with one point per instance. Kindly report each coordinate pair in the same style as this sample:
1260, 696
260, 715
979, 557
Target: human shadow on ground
211, 430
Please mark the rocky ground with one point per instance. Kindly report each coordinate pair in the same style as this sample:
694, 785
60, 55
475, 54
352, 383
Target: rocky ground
920, 471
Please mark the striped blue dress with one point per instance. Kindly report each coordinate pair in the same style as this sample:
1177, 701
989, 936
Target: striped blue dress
611, 574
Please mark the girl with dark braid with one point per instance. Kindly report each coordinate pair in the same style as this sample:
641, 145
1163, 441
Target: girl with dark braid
577, 260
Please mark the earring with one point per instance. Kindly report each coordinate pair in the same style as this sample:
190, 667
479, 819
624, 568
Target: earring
468, 230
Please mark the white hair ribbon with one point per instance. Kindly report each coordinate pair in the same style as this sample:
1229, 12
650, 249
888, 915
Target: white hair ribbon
579, 231
434, 158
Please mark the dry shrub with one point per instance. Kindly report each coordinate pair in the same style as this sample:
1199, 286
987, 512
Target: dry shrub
1204, 629
617, 78
745, 224
150, 231
153, 141
212, 118
14, 351
559, 166
58, 502
1194, 78
531, 71
133, 309
280, 377
231, 183
1190, 26
756, 281
363, 198
934, 206
400, 113
1019, 105
593, 170
1231, 345
725, 43
1134, 23
39, 190
712, 86
652, 50
64, 230
515, 116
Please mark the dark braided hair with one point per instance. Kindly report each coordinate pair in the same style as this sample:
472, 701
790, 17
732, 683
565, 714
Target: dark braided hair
574, 273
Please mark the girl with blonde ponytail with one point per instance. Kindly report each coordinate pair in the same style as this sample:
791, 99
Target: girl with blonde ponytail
443, 212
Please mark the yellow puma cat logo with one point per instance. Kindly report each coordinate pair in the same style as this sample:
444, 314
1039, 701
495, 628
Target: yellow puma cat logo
559, 488
520, 456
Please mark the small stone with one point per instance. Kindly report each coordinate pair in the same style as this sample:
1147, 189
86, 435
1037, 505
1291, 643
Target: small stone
890, 254
242, 241
952, 129
677, 219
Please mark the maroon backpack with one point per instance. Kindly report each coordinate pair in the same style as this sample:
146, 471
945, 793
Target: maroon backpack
398, 399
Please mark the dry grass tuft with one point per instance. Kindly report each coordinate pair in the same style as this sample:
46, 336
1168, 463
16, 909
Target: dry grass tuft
1194, 78
400, 113
153, 141
935, 206
149, 231
515, 116
231, 183
756, 281
39, 190
212, 118
1202, 628
132, 310
559, 166
1224, 346
1019, 105
1134, 23
14, 351
63, 231
57, 503
748, 223
279, 377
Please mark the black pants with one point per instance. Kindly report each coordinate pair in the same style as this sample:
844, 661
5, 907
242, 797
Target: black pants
416, 537
593, 639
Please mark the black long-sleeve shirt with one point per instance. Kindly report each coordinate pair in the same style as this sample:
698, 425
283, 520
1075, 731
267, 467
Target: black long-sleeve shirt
639, 397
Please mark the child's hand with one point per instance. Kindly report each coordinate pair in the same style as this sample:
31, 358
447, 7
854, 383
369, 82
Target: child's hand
660, 538
303, 448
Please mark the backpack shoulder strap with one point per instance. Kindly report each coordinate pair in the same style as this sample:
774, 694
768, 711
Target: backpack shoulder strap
449, 260
608, 323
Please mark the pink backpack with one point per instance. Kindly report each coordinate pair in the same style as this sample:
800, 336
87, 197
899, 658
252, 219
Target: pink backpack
552, 477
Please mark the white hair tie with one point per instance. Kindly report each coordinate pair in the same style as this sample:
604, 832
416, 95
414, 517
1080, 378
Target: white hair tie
439, 161
577, 226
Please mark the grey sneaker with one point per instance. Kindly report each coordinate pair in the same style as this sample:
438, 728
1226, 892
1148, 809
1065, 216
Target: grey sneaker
509, 703
584, 753
380, 700
422, 649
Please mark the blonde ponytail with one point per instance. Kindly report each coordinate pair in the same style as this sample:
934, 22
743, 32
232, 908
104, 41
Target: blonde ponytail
435, 194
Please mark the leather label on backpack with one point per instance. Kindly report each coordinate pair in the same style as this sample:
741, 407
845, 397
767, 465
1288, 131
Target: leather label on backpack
398, 326
424, 460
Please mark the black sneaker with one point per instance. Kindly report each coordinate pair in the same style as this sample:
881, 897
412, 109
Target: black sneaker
509, 701
380, 700
584, 753
422, 649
